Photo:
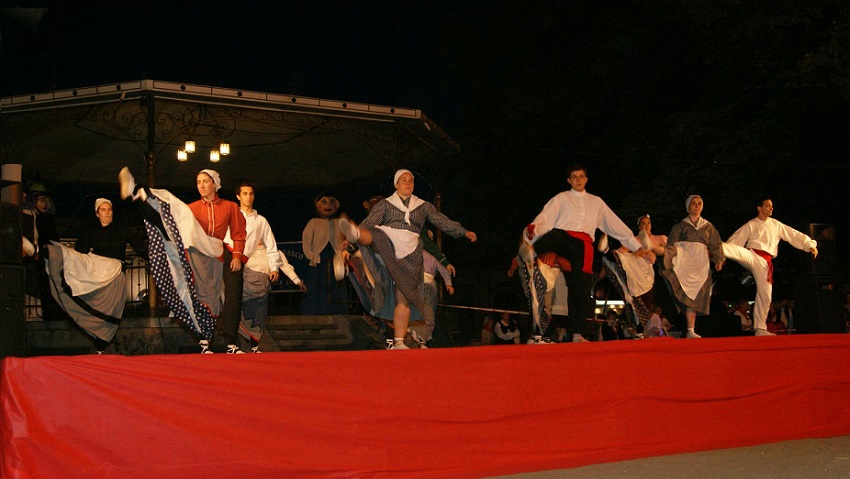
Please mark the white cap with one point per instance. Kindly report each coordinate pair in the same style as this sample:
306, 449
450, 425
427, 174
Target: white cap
215, 176
398, 175
99, 202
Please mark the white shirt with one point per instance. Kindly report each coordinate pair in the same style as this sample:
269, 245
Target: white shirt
581, 211
765, 236
258, 231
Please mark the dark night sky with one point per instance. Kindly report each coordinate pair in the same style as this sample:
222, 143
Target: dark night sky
658, 99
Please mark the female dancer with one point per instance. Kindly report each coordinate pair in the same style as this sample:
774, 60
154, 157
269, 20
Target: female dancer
392, 230
691, 244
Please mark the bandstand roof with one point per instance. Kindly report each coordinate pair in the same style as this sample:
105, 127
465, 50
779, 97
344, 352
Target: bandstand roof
86, 135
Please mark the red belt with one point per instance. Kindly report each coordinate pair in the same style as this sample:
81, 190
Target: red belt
767, 257
587, 267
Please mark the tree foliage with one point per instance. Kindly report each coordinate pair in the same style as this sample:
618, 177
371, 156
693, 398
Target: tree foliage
732, 100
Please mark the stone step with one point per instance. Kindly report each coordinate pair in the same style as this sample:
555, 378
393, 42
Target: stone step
165, 335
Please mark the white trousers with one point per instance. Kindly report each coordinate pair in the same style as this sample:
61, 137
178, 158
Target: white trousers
758, 267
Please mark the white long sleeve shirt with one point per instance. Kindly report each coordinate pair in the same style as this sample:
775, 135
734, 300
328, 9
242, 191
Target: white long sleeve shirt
258, 231
765, 236
581, 211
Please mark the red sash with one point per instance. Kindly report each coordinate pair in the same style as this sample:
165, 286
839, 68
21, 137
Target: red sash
767, 257
587, 267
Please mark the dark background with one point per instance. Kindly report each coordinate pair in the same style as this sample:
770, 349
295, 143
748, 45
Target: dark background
658, 99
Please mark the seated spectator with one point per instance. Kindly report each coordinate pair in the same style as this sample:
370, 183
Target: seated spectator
506, 330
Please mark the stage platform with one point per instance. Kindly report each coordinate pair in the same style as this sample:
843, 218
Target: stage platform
444, 413
164, 335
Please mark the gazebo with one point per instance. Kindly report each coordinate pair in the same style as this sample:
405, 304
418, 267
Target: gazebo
85, 135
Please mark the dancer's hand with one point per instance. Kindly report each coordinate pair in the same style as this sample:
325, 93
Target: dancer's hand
451, 270
274, 276
235, 264
471, 236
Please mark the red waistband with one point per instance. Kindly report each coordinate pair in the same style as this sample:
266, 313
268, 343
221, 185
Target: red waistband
587, 267
767, 257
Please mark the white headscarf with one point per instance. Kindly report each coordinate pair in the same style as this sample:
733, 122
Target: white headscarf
99, 202
216, 178
398, 175
688, 202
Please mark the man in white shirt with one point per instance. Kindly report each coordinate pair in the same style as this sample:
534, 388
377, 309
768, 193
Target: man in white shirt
567, 226
754, 246
262, 268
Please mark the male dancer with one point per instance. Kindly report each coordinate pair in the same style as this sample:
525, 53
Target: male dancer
566, 227
754, 246
264, 261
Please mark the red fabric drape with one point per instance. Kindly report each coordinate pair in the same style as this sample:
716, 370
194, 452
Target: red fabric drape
453, 413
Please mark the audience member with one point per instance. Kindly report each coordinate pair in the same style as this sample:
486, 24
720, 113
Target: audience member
610, 328
742, 311
657, 326
506, 330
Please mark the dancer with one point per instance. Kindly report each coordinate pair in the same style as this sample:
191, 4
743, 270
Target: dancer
754, 246
261, 269
634, 277
88, 284
188, 259
432, 267
393, 231
543, 280
566, 226
363, 280
691, 244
